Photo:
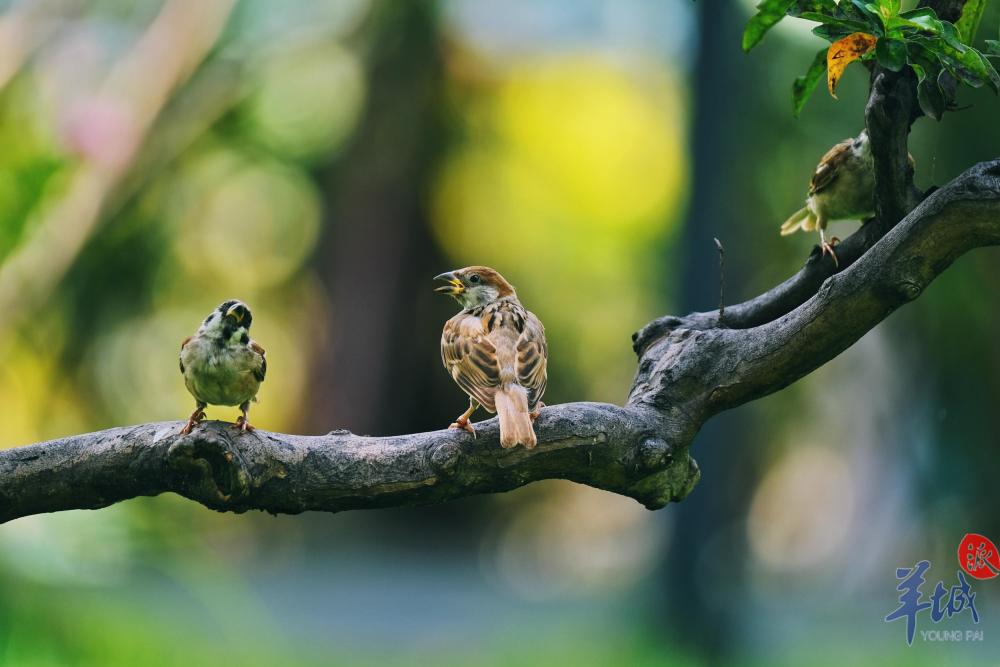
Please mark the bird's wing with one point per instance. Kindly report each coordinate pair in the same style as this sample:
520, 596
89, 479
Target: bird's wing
471, 358
828, 168
260, 372
532, 358
180, 359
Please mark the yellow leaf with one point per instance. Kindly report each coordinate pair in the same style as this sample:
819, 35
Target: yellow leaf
842, 53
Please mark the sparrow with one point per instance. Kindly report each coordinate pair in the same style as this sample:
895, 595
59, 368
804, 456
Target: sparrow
221, 365
842, 188
495, 350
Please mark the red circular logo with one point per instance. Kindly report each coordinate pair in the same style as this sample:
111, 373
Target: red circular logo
979, 556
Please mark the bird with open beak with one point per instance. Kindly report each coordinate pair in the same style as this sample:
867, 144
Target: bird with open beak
221, 365
495, 350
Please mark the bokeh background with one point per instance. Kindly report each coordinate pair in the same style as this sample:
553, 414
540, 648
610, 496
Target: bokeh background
322, 160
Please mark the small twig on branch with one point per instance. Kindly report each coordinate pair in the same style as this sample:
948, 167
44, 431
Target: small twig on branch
722, 278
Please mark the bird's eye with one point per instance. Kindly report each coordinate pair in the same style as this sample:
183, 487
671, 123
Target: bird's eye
474, 278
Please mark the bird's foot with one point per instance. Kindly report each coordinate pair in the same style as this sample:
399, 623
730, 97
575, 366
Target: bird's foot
243, 425
464, 424
826, 248
534, 414
196, 418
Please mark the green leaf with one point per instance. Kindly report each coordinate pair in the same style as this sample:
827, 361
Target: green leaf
992, 78
871, 16
824, 6
951, 36
923, 19
993, 45
769, 12
832, 33
962, 73
949, 86
804, 85
891, 53
849, 11
919, 11
919, 55
967, 65
930, 97
972, 16
848, 25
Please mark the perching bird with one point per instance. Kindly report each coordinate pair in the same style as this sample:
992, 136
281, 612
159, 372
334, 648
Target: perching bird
221, 365
842, 188
495, 350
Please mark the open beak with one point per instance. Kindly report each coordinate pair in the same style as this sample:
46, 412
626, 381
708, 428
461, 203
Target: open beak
454, 286
235, 313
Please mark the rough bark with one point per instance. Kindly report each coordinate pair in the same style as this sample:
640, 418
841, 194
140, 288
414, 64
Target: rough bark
690, 368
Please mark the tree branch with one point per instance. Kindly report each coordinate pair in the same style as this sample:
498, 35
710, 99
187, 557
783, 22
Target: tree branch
605, 446
690, 368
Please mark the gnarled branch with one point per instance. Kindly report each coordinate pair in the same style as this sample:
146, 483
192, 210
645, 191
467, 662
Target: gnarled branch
690, 368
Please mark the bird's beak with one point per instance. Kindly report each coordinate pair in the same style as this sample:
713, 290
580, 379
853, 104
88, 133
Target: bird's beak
237, 315
454, 286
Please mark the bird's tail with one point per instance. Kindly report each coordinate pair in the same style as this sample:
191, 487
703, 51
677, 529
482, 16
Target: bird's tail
515, 421
801, 219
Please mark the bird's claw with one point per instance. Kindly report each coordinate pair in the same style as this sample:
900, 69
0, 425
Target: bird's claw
465, 425
827, 249
193, 421
243, 425
537, 412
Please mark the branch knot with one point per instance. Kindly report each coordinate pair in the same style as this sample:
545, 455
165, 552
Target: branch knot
210, 466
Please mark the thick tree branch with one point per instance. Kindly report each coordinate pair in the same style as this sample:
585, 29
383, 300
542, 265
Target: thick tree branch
892, 108
740, 365
689, 369
619, 449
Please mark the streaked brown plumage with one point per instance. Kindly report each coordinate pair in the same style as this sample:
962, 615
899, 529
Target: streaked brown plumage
841, 188
495, 350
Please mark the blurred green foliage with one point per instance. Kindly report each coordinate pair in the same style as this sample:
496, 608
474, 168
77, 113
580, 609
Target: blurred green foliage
556, 144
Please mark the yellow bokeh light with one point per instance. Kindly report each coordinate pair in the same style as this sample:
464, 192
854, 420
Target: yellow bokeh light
605, 141
39, 403
573, 170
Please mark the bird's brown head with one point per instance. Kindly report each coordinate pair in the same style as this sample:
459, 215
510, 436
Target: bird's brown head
475, 286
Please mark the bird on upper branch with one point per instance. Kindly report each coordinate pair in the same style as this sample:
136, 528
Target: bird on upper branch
495, 350
221, 365
842, 188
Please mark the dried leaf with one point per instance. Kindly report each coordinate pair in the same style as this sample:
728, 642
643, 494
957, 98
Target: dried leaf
842, 53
